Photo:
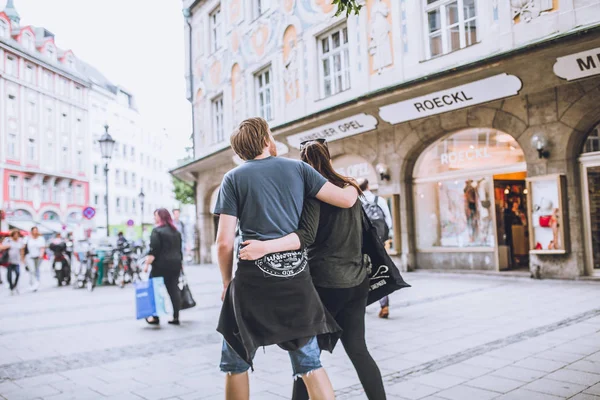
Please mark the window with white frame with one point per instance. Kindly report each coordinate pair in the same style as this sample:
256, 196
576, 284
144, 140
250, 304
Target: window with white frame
118, 204
117, 176
62, 86
28, 41
12, 141
27, 189
96, 171
451, 25
125, 176
55, 193
3, 28
124, 151
65, 157
11, 66
51, 53
80, 163
49, 117
64, 123
47, 80
133, 178
260, 7
31, 111
13, 184
49, 156
12, 106
217, 111
334, 65
79, 94
31, 147
215, 29
133, 205
30, 73
264, 93
126, 204
79, 194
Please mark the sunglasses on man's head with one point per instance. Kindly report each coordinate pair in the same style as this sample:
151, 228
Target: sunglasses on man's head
304, 144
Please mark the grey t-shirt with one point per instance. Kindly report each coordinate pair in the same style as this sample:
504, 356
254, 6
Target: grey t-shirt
267, 196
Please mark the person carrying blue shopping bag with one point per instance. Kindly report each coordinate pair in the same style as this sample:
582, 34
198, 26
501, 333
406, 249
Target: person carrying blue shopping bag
166, 259
150, 298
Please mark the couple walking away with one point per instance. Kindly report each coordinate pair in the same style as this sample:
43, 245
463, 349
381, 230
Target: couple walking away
289, 212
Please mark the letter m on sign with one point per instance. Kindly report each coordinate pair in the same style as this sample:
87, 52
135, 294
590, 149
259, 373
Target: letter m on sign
586, 64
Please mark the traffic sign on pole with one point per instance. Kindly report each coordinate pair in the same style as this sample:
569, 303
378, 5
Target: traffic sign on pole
89, 212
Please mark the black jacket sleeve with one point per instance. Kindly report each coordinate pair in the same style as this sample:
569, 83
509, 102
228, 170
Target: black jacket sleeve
309, 222
154, 243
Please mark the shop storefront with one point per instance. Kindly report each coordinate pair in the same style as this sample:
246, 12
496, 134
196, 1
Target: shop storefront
494, 167
470, 202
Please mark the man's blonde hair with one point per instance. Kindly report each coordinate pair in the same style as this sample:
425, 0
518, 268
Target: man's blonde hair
250, 138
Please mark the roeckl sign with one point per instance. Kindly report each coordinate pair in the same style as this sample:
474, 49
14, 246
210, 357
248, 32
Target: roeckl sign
482, 91
578, 65
350, 126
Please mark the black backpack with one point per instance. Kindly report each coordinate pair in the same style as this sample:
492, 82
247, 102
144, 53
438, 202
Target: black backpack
377, 218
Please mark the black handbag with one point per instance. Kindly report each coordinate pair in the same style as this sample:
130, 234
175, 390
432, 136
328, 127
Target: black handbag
384, 276
4, 257
187, 301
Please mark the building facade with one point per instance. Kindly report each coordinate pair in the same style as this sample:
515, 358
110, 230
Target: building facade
44, 135
476, 119
139, 161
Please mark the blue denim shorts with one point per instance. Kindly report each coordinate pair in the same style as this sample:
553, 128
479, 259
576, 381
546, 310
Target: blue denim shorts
304, 360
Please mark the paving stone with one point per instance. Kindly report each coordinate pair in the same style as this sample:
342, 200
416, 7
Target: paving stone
462, 392
465, 370
572, 376
162, 392
556, 388
555, 355
539, 364
439, 380
32, 393
495, 383
585, 366
518, 373
39, 380
489, 362
524, 394
584, 396
411, 390
595, 390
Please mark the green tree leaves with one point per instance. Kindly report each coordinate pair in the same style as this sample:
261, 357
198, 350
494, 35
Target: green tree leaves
347, 6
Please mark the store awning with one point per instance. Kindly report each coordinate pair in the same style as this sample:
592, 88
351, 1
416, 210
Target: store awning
27, 225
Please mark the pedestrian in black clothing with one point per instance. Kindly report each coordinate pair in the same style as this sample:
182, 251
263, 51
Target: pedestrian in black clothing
166, 259
334, 240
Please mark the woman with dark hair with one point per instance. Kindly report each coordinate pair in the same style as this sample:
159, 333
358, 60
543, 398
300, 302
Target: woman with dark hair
166, 259
16, 256
333, 237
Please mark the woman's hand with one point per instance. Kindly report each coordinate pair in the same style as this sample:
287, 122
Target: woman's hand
253, 250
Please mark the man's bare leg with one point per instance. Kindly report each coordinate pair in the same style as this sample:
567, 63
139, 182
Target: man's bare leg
318, 385
237, 386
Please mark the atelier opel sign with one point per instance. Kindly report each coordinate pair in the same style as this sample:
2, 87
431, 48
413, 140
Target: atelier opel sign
482, 91
578, 65
350, 126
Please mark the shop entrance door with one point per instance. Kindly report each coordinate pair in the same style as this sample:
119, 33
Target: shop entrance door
510, 197
590, 175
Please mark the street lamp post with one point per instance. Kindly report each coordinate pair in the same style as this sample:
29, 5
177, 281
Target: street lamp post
107, 144
141, 197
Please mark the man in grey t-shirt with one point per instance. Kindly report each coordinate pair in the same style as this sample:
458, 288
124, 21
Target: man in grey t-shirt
267, 194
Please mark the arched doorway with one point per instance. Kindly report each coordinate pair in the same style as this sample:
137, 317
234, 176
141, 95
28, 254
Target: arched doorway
589, 162
470, 202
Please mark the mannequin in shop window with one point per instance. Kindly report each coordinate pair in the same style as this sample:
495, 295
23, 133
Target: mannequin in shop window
471, 209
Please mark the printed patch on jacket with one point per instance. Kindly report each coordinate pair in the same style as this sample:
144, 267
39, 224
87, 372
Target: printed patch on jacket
286, 264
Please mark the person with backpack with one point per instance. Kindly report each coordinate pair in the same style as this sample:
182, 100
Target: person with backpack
379, 213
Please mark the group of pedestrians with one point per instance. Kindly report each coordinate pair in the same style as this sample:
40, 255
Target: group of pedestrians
23, 252
300, 281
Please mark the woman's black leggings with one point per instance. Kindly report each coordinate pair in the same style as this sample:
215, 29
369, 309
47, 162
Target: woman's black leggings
171, 282
348, 307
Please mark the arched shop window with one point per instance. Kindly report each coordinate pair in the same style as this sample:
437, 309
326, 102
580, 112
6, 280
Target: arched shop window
21, 215
455, 188
592, 143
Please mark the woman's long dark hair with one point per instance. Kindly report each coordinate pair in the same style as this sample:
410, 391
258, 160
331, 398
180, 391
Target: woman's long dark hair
317, 156
165, 217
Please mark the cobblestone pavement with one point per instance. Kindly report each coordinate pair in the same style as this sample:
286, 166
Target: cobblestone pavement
452, 337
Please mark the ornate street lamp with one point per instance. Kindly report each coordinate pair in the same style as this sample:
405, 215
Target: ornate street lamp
107, 144
141, 197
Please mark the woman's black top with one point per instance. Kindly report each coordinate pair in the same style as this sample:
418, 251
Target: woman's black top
334, 239
165, 246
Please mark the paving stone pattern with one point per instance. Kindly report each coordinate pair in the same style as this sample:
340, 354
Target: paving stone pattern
448, 337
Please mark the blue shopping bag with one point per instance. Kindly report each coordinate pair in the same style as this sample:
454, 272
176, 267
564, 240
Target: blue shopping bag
150, 298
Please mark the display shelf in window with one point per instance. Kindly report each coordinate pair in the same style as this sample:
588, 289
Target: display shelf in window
546, 201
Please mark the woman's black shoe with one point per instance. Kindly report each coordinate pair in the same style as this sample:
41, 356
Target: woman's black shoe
174, 322
154, 321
